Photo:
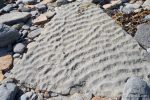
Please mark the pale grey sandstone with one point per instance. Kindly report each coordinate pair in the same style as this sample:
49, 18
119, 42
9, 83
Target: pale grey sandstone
81, 49
14, 17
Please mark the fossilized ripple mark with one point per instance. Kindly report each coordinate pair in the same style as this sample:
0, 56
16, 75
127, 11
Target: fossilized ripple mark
87, 50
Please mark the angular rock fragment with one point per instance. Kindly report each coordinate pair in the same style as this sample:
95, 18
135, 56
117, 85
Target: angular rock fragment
14, 17
34, 33
6, 62
40, 20
7, 35
29, 96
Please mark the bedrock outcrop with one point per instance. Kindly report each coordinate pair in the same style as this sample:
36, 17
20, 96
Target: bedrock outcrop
81, 49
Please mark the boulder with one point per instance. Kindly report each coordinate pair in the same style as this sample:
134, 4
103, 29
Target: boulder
7, 35
8, 91
142, 35
136, 89
11, 18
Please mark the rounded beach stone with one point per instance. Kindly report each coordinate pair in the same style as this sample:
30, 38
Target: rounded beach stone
19, 48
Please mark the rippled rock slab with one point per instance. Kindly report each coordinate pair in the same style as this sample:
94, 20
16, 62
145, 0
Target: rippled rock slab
81, 49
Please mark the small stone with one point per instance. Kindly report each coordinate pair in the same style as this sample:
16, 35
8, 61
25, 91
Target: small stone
111, 4
25, 9
38, 1
33, 28
46, 95
61, 2
8, 8
29, 96
53, 94
7, 80
148, 50
24, 33
137, 10
124, 1
34, 13
17, 26
34, 33
19, 48
20, 6
6, 62
1, 3
40, 20
146, 5
131, 7
30, 6
41, 7
15, 5
50, 14
16, 55
102, 2
40, 96
47, 1
26, 27
147, 18
26, 1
